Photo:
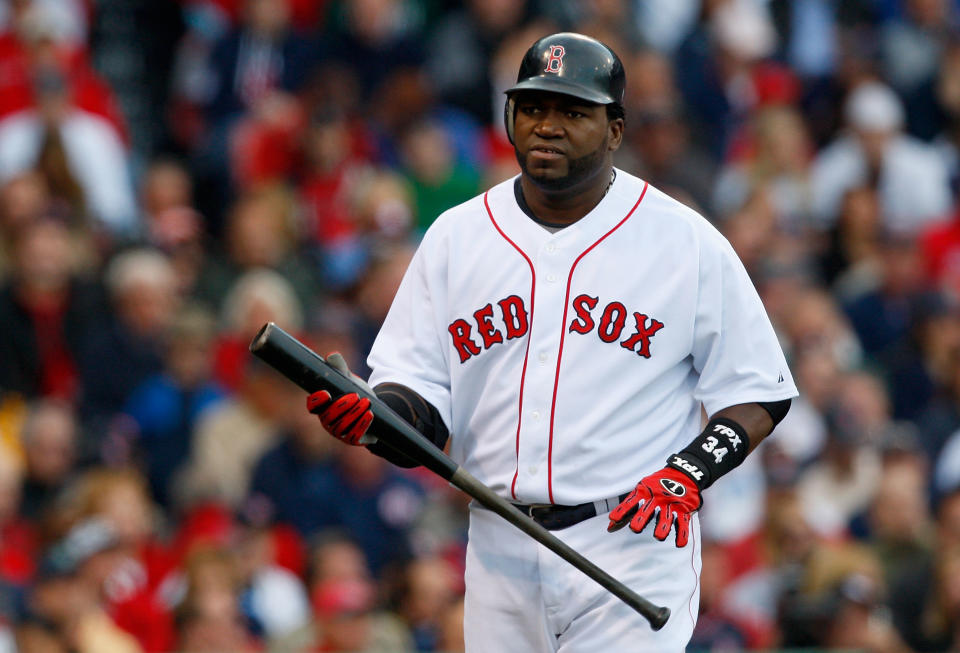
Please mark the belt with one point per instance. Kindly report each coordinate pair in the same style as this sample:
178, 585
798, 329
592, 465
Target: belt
554, 517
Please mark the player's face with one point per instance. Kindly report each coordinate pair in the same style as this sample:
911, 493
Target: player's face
561, 141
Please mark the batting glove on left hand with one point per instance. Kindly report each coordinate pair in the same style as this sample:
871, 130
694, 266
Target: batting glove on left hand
669, 491
348, 417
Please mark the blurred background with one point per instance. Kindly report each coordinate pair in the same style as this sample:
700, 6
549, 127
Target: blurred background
173, 174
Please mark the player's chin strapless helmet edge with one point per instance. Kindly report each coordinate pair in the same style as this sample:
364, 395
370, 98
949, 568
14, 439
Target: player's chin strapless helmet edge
572, 64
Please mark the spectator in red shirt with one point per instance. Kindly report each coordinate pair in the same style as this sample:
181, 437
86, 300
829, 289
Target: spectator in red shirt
47, 312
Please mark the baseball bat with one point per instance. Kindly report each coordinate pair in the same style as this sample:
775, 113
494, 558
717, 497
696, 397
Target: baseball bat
308, 370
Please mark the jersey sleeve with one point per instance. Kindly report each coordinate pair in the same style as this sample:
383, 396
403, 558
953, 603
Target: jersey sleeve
409, 349
735, 349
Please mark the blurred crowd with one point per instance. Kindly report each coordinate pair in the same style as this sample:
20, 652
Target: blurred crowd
174, 174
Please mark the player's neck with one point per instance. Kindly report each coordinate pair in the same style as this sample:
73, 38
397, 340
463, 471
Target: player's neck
570, 204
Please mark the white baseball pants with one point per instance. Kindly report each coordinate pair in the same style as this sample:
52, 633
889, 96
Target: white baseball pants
523, 598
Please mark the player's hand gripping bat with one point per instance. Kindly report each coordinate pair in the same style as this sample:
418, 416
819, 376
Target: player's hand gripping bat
298, 363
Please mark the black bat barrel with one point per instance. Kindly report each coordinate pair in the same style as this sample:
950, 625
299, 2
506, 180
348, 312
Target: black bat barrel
304, 367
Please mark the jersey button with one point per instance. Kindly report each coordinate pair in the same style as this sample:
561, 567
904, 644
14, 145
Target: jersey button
551, 247
543, 357
536, 414
551, 278
532, 469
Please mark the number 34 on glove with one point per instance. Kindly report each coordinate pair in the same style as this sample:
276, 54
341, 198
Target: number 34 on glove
672, 495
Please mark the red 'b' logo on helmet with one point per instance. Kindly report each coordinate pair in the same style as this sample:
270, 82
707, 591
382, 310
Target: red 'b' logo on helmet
555, 62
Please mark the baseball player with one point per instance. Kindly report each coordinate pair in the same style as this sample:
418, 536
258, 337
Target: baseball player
562, 333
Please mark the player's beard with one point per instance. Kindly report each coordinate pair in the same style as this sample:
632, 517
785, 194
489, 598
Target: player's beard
578, 170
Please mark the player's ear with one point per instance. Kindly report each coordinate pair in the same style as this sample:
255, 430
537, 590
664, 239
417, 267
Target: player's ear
614, 134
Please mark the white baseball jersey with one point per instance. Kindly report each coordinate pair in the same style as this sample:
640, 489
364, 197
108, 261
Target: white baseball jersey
568, 365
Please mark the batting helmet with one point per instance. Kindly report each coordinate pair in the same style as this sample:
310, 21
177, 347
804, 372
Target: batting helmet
571, 64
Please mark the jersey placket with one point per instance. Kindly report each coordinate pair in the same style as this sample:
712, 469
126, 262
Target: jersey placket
533, 450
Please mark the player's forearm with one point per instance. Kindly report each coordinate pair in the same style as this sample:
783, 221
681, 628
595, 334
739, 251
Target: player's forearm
756, 422
730, 434
418, 412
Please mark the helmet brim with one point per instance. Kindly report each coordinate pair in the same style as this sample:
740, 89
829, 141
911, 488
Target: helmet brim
555, 84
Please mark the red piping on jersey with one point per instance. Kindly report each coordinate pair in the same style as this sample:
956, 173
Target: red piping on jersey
523, 374
563, 331
696, 577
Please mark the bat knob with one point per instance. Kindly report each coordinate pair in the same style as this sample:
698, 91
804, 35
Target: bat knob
660, 618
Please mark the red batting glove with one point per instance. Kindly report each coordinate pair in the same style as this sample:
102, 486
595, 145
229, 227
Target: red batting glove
670, 491
346, 418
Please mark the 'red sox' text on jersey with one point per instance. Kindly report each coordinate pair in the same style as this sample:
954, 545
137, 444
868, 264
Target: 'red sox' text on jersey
508, 329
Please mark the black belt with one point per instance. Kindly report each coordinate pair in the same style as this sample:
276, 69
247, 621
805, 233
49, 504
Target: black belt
554, 517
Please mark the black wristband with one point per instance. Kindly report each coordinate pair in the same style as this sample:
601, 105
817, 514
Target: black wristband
722, 446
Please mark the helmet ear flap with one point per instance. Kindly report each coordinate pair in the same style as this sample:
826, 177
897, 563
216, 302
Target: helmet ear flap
508, 117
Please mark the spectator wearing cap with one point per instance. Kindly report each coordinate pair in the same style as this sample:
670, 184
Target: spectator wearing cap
118, 500
68, 593
910, 177
376, 289
342, 609
347, 619
336, 562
